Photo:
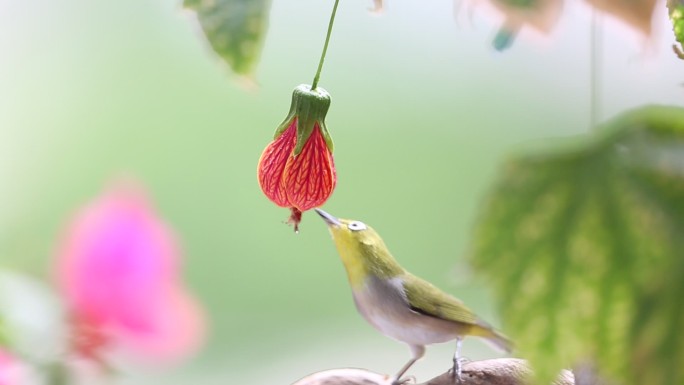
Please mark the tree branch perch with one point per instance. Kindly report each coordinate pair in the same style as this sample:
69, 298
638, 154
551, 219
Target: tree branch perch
503, 371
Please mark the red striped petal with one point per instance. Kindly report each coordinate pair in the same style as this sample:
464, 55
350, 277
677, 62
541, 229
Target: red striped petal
272, 165
309, 178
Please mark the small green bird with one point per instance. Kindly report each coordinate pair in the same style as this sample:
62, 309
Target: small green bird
399, 304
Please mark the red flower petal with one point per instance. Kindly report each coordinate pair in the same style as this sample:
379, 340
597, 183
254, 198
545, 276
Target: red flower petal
272, 164
309, 178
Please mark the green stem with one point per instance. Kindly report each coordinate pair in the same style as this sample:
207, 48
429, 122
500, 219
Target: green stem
325, 47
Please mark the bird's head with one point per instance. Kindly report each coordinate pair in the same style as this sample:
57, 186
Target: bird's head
349, 233
359, 245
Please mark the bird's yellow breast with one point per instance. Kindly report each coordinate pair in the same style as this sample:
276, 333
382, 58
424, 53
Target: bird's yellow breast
354, 263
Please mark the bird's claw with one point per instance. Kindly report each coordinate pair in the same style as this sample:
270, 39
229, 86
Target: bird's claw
456, 370
456, 375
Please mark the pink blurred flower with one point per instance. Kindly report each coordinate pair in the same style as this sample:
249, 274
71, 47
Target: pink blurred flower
10, 370
119, 271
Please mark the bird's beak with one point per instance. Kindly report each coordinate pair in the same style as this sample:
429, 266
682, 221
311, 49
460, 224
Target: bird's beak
329, 219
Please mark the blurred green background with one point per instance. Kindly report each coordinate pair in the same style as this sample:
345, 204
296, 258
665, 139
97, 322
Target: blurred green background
423, 112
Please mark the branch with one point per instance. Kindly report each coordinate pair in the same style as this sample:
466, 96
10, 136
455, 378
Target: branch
503, 371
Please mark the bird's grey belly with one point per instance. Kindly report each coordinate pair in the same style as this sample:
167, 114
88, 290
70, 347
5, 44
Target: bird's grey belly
383, 304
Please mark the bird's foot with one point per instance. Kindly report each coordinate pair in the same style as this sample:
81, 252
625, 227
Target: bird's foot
456, 375
404, 381
456, 370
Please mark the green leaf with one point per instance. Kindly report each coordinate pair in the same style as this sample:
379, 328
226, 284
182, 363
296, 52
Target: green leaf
676, 12
235, 29
584, 246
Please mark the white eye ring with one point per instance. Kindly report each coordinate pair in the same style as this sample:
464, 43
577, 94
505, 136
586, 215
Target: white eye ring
357, 226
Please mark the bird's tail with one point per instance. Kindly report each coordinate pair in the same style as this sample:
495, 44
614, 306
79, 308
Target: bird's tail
494, 338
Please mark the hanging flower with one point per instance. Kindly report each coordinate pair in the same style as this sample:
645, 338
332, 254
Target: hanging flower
538, 15
296, 170
118, 269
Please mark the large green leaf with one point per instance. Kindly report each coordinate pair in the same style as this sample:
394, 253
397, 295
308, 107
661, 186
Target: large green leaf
584, 245
676, 11
235, 29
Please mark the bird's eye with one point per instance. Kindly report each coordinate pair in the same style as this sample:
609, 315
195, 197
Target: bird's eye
356, 226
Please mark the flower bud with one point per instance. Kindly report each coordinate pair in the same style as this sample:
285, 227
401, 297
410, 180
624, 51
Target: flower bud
296, 170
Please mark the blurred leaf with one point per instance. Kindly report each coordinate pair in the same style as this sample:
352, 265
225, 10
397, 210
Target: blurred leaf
4, 337
584, 244
235, 29
676, 12
636, 13
57, 374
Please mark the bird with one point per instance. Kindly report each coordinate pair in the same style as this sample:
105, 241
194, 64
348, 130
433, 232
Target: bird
399, 304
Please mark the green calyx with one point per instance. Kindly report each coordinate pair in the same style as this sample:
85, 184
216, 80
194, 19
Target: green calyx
308, 107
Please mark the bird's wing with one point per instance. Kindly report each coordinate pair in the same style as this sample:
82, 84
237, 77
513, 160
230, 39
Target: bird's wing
425, 298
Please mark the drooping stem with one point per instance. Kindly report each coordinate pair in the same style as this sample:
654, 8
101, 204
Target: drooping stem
325, 47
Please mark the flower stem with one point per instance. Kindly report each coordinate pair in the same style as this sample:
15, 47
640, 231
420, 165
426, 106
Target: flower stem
325, 47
